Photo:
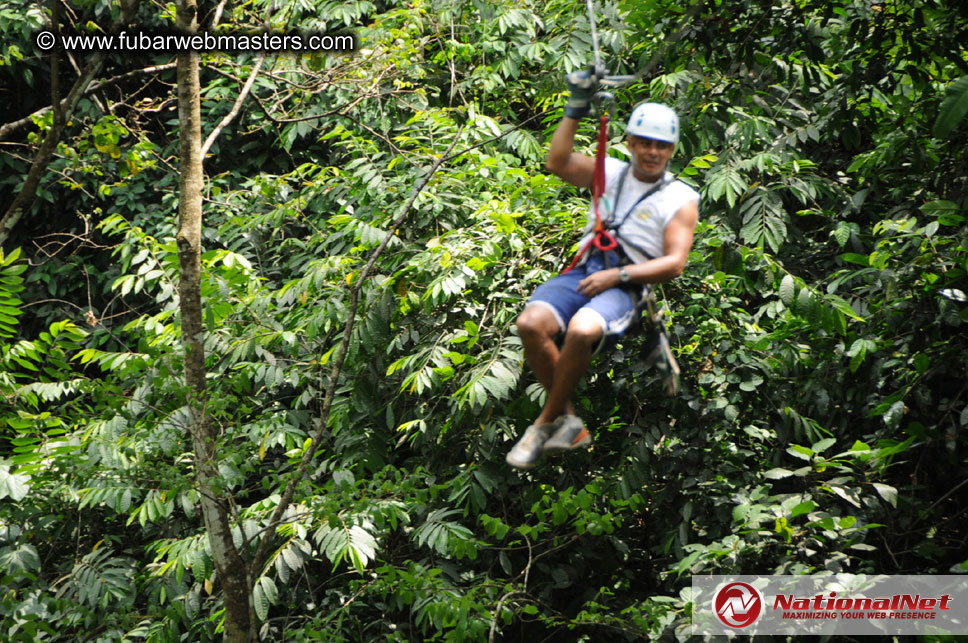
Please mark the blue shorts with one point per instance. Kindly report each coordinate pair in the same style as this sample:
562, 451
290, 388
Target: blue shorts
614, 307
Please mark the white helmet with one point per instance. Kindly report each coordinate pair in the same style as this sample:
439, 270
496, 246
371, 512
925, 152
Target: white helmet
653, 120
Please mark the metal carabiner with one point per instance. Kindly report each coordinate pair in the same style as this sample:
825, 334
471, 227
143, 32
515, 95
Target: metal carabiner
616, 81
604, 98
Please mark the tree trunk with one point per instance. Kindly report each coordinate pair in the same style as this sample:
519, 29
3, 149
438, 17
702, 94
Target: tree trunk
230, 567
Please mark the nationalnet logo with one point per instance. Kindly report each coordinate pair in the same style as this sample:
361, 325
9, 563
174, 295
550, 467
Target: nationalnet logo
738, 605
851, 604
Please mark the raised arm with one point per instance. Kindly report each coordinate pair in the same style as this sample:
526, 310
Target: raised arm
562, 161
577, 169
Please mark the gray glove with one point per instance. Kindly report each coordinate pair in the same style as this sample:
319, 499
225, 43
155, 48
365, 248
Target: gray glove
581, 88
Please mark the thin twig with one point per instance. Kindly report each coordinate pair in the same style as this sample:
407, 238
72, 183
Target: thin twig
235, 108
946, 495
218, 14
342, 110
527, 569
498, 136
9, 128
375, 133
497, 614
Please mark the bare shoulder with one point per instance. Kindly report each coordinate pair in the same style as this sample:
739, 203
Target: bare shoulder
687, 216
680, 229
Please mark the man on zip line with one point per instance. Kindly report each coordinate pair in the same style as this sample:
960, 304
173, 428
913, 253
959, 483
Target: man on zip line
651, 216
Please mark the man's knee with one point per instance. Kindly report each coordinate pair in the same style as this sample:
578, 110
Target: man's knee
537, 322
585, 327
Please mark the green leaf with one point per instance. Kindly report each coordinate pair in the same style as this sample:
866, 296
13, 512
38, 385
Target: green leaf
13, 485
823, 445
362, 547
787, 289
269, 589
841, 304
803, 508
825, 523
13, 271
763, 219
847, 494
778, 473
858, 351
892, 418
725, 180
953, 108
260, 602
22, 558
939, 208
10, 258
807, 306
842, 233
887, 492
853, 257
832, 321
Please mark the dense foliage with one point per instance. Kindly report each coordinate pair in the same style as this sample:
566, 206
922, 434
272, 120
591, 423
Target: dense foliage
820, 324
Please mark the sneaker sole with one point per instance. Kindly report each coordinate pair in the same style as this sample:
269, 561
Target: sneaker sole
582, 440
544, 434
520, 465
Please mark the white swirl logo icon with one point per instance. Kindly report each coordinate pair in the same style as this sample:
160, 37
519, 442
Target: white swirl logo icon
46, 40
738, 604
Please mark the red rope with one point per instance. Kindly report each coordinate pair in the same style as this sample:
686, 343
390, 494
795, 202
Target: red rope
603, 239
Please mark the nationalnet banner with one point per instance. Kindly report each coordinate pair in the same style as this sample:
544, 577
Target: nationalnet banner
853, 604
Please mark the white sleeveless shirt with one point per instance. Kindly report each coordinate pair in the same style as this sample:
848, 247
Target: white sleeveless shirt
642, 235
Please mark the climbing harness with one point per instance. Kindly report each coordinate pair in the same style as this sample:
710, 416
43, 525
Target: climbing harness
605, 233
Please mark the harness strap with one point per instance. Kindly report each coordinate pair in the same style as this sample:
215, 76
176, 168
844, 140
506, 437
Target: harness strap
603, 239
661, 183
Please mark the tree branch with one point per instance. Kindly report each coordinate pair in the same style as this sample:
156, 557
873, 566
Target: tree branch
235, 108
497, 613
218, 14
7, 129
28, 193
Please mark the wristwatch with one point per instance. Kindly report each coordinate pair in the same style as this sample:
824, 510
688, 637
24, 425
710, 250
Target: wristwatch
623, 275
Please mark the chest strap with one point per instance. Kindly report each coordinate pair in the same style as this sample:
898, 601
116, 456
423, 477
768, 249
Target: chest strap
604, 238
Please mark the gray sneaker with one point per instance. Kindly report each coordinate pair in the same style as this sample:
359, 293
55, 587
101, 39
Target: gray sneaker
571, 434
527, 451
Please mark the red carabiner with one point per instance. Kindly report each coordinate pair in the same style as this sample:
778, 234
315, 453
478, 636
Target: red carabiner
605, 247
